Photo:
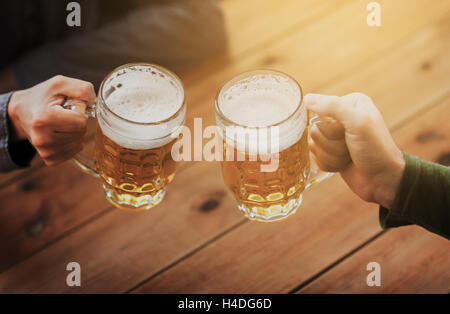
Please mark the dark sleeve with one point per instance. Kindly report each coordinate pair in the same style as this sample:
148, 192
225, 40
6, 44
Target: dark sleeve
423, 198
174, 34
14, 154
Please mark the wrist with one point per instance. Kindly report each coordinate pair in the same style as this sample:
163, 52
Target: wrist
386, 189
15, 102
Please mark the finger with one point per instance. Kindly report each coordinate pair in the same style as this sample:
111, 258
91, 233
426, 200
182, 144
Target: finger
69, 121
323, 105
333, 130
56, 139
326, 161
335, 147
344, 109
58, 157
52, 151
72, 88
61, 158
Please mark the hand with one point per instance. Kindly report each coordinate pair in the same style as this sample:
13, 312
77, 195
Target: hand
36, 114
358, 145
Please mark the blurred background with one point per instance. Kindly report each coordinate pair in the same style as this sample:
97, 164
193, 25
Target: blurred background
196, 240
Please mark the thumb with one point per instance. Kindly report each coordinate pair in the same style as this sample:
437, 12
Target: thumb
347, 109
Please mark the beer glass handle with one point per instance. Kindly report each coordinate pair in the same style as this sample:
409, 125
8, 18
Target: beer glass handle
316, 175
85, 163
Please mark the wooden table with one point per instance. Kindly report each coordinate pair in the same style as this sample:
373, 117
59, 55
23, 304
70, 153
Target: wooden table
196, 241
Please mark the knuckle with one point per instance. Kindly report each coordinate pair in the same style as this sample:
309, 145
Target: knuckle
39, 122
328, 167
57, 81
360, 97
84, 90
51, 163
46, 156
358, 100
39, 141
87, 87
366, 195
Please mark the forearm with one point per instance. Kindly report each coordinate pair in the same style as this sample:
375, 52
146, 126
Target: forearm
423, 198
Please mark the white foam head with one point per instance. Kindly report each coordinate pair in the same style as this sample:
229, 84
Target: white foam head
264, 100
143, 95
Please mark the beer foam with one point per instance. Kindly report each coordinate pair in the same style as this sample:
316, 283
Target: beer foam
144, 94
141, 94
263, 100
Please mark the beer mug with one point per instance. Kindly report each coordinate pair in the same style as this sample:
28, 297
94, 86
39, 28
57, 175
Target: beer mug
139, 109
249, 109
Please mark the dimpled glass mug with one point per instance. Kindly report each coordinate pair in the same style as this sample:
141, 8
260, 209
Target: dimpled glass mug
262, 101
139, 110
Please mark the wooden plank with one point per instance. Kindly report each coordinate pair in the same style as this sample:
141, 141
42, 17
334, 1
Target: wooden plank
412, 260
194, 94
117, 248
101, 234
11, 183
269, 19
415, 69
327, 61
422, 55
254, 24
275, 258
9, 177
334, 46
41, 207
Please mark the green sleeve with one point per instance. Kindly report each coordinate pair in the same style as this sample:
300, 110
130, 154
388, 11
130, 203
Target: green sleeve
423, 198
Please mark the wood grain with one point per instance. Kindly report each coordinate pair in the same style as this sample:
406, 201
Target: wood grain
276, 258
201, 94
40, 208
411, 260
15, 222
328, 50
124, 248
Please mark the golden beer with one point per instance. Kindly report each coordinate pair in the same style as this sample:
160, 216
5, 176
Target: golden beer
134, 177
268, 194
260, 101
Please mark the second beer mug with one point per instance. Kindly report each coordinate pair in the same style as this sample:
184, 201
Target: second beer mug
249, 108
138, 110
